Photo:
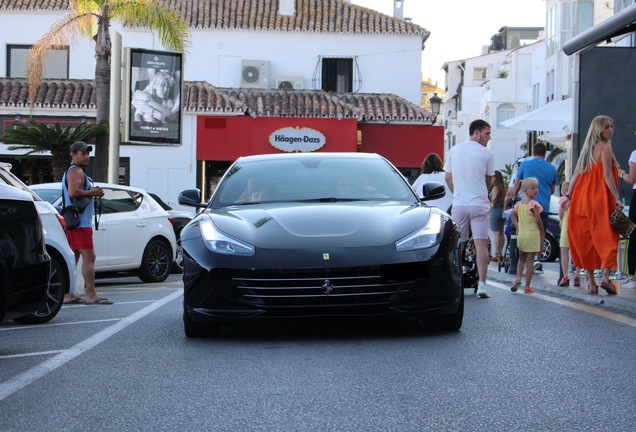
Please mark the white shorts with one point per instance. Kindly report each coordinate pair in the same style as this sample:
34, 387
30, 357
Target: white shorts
472, 219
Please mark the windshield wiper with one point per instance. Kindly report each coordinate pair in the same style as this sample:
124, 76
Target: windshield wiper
333, 199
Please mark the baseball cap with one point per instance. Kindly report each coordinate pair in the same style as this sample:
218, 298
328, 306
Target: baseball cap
80, 146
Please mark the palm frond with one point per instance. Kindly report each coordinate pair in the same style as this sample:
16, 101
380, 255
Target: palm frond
554, 152
173, 31
61, 34
40, 137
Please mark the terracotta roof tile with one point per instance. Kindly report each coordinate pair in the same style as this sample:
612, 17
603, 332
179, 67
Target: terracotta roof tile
322, 16
202, 97
70, 94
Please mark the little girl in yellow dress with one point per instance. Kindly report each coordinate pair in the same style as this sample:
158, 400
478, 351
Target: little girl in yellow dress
526, 216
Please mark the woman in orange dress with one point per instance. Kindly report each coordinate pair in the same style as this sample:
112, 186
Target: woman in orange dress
592, 197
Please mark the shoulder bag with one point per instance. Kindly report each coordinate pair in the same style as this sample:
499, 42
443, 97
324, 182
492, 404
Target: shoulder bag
621, 223
71, 213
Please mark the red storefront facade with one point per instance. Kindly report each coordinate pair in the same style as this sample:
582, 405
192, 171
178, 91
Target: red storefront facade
222, 139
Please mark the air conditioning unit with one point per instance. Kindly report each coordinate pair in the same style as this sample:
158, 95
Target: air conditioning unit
255, 73
290, 83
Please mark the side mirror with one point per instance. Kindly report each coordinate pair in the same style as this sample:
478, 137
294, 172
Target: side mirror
433, 191
191, 198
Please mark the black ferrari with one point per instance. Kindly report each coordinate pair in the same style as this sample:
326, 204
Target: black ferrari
318, 234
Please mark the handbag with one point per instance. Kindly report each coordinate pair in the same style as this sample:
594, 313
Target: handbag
621, 223
71, 216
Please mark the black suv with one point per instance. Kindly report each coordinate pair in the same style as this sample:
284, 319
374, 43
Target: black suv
24, 263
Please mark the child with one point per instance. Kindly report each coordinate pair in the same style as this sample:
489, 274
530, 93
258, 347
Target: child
526, 216
564, 244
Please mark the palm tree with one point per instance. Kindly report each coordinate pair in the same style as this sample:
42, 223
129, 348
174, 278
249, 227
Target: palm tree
92, 18
39, 137
554, 153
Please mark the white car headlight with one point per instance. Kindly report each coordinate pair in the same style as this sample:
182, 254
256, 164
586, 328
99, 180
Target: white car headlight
218, 242
427, 236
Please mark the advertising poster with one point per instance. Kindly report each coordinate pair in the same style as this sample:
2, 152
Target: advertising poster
154, 112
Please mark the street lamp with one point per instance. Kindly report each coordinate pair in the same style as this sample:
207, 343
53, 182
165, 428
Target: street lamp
436, 105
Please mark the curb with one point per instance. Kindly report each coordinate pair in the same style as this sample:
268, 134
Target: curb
540, 283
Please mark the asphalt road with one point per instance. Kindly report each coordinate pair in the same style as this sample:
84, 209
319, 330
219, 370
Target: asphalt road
520, 362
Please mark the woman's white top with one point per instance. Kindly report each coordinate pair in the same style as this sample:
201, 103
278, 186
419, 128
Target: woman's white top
439, 177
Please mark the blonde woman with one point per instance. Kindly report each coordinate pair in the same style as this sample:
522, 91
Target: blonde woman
592, 197
158, 102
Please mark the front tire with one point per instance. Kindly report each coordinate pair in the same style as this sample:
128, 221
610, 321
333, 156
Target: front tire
156, 262
58, 286
550, 250
446, 323
451, 322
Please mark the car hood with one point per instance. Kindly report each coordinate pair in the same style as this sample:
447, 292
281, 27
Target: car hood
357, 224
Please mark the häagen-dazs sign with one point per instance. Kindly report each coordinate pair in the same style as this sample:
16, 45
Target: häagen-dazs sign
297, 139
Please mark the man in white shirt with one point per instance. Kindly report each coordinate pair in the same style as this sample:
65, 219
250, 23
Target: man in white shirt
469, 170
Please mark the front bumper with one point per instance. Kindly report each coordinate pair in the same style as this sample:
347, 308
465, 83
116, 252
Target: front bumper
427, 283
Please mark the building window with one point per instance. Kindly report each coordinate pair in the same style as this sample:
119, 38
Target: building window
536, 96
504, 112
550, 82
585, 16
551, 35
55, 64
479, 73
337, 75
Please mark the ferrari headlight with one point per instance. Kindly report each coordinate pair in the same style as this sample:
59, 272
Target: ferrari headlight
218, 242
427, 236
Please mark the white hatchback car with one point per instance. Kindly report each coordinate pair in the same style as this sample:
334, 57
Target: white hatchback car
63, 271
131, 232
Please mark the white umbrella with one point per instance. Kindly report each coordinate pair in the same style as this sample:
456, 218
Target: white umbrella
553, 117
557, 138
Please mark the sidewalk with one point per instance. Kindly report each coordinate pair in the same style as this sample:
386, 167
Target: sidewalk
625, 300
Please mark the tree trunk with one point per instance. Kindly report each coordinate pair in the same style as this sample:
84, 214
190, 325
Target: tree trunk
60, 160
102, 145
102, 86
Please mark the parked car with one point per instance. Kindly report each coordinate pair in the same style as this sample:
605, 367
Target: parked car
180, 219
131, 232
63, 269
24, 264
551, 250
318, 234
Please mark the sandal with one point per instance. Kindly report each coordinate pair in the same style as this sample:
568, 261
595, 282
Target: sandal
577, 281
528, 290
609, 287
515, 286
565, 281
592, 289
497, 258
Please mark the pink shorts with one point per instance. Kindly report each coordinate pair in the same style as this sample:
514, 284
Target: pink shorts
472, 219
80, 238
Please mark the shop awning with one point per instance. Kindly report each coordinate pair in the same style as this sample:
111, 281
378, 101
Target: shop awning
556, 138
556, 116
619, 24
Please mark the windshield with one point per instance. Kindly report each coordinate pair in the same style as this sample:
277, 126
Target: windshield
50, 195
289, 178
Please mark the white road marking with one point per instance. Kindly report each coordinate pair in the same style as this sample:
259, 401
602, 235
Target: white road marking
24, 379
58, 324
33, 354
585, 308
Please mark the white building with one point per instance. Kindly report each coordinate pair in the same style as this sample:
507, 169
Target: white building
538, 75
304, 42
